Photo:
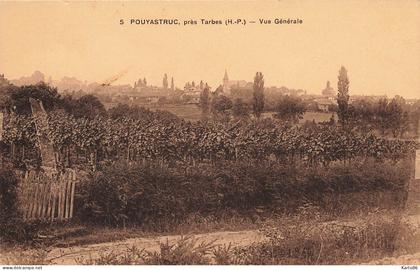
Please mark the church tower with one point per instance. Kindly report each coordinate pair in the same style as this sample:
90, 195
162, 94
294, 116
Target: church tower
225, 82
328, 91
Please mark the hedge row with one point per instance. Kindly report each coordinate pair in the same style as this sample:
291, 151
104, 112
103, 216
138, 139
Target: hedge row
148, 193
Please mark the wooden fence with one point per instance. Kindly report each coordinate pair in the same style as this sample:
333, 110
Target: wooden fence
48, 195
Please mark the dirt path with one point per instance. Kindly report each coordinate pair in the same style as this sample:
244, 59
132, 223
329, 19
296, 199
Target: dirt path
409, 259
71, 254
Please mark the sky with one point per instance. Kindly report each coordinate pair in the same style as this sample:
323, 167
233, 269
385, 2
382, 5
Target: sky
377, 41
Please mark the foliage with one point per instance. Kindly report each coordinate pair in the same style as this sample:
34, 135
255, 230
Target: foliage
87, 106
311, 242
289, 241
19, 98
9, 204
186, 251
165, 81
240, 109
290, 108
221, 104
205, 100
162, 137
258, 101
387, 116
13, 227
363, 115
343, 96
162, 196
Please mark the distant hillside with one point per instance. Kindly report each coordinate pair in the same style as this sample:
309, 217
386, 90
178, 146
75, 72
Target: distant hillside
35, 78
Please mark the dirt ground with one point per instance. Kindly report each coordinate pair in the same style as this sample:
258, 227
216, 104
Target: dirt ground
73, 255
409, 259
70, 255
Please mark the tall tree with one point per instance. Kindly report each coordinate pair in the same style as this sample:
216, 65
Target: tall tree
205, 100
258, 101
396, 118
381, 115
343, 96
144, 81
165, 81
172, 84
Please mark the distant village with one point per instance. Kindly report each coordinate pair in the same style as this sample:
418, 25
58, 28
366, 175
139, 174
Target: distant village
143, 93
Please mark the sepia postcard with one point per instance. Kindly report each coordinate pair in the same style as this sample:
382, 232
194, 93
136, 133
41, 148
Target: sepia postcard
211, 133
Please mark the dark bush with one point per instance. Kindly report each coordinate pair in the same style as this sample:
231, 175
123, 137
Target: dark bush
9, 208
13, 227
11, 223
161, 195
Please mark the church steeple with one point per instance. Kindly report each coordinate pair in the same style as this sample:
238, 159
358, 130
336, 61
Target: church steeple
226, 78
225, 82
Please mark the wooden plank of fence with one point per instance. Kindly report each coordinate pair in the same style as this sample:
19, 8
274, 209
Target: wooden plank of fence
59, 201
48, 214
63, 199
24, 196
33, 202
73, 185
68, 193
28, 197
54, 200
48, 195
39, 200
28, 207
67, 201
45, 200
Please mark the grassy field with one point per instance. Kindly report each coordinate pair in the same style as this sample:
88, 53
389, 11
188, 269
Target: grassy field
189, 112
317, 116
192, 112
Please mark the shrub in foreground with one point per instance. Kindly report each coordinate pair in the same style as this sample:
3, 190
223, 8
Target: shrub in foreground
10, 220
160, 195
13, 227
